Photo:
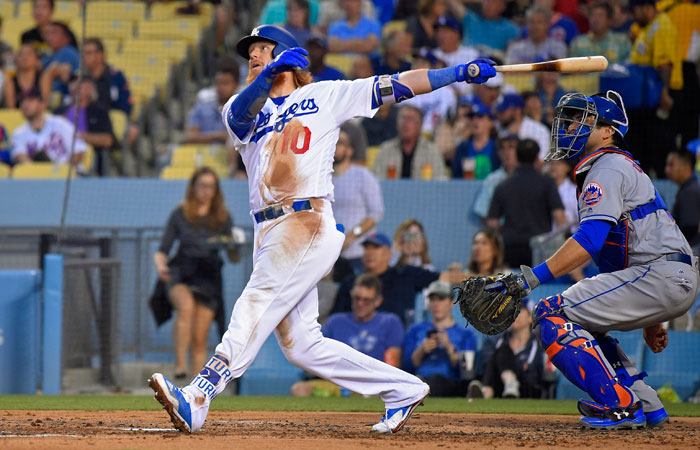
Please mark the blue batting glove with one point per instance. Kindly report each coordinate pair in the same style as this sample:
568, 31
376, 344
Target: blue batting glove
286, 61
477, 71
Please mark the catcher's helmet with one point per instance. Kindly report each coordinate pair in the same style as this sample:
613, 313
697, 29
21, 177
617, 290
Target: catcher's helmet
575, 108
272, 33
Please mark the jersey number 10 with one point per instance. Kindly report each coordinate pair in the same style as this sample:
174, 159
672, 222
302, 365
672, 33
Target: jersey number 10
292, 139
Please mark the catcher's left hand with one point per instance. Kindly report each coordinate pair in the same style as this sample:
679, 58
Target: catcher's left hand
491, 304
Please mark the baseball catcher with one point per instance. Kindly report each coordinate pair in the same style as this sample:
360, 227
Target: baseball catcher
649, 274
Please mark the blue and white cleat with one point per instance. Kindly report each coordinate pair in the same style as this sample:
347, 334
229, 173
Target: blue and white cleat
616, 418
177, 403
394, 419
657, 419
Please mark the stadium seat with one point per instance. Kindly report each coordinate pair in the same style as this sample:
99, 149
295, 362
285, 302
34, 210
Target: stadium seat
175, 50
520, 81
105, 28
179, 28
176, 173
12, 30
341, 62
678, 364
371, 156
112, 47
4, 170
166, 11
586, 83
155, 66
119, 122
393, 26
7, 8
130, 10
11, 119
40, 170
63, 11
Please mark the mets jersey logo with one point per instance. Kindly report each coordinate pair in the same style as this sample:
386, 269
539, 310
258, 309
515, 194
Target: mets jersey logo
592, 194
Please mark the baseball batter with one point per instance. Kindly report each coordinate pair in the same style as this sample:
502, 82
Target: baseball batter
648, 274
286, 128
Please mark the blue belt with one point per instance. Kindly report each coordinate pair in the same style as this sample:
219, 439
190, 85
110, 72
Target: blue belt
680, 257
275, 211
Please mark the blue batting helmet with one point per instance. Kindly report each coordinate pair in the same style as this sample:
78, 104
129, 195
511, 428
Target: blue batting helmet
606, 109
272, 33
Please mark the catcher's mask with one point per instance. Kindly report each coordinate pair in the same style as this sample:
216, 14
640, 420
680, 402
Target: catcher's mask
575, 109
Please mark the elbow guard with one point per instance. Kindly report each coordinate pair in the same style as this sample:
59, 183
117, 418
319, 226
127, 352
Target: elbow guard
389, 90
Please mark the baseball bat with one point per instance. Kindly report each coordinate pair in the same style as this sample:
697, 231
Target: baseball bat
565, 65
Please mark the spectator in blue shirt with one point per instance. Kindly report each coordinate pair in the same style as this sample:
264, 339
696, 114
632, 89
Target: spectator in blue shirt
433, 349
476, 158
297, 22
204, 125
60, 65
318, 47
374, 333
489, 30
355, 33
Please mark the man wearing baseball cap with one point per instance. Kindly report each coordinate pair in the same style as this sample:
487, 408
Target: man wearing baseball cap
433, 349
450, 48
512, 119
400, 284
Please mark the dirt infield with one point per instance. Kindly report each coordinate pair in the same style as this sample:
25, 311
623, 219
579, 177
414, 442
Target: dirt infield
77, 430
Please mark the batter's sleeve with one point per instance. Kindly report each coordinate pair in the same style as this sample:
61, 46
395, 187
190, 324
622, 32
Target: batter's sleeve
348, 99
225, 114
602, 196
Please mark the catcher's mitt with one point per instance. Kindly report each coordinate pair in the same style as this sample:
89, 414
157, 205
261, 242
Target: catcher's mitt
491, 304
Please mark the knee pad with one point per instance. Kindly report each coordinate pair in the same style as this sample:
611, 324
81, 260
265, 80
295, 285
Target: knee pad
545, 307
214, 377
580, 360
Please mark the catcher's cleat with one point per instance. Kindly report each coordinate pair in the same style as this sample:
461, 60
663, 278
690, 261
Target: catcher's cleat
657, 419
394, 419
177, 403
616, 418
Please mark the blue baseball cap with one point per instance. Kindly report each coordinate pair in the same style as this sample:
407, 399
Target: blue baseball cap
479, 109
450, 22
510, 101
378, 239
694, 147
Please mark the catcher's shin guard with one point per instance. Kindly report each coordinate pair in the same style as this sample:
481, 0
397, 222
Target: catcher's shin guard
577, 355
214, 377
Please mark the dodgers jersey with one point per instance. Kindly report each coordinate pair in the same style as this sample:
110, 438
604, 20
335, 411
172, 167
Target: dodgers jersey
614, 185
54, 138
289, 150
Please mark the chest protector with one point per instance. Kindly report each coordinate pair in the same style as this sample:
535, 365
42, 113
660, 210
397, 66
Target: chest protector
614, 254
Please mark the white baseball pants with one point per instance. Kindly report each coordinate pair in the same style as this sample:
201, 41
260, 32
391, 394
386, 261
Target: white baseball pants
291, 255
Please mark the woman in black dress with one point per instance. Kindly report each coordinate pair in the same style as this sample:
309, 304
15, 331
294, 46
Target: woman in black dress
193, 275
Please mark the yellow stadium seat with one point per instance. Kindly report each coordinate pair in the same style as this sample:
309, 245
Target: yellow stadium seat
88, 159
7, 9
105, 28
40, 170
112, 47
176, 173
4, 170
371, 156
393, 26
166, 11
197, 155
341, 62
130, 10
119, 122
520, 81
11, 119
12, 30
154, 66
64, 11
586, 83
143, 88
187, 28
173, 49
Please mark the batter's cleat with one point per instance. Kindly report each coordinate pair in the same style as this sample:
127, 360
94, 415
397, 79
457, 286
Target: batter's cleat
657, 419
394, 419
177, 403
616, 418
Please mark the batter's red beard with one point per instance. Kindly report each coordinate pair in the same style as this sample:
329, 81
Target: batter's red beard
279, 79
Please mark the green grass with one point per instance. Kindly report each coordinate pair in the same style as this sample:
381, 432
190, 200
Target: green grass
231, 403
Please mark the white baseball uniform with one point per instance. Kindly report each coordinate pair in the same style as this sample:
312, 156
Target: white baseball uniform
54, 139
288, 154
